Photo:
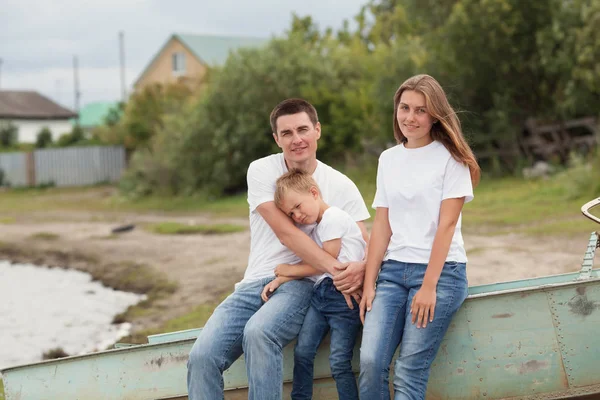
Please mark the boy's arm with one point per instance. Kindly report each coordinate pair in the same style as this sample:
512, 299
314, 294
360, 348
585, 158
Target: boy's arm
333, 247
303, 270
351, 277
296, 271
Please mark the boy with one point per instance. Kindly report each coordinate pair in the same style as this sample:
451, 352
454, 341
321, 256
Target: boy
298, 196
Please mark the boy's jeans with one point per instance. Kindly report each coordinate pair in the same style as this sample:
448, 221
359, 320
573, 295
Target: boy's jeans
328, 312
244, 323
389, 324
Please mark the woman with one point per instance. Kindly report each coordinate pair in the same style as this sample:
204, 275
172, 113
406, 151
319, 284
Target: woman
416, 254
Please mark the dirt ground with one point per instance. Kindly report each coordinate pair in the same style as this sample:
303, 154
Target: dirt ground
206, 267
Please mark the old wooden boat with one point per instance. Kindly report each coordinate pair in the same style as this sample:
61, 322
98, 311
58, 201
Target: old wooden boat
528, 339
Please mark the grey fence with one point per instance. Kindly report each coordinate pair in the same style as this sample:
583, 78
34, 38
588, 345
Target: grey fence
14, 169
74, 166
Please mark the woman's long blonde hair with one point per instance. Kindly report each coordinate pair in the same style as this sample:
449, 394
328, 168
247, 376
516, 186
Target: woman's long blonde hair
447, 130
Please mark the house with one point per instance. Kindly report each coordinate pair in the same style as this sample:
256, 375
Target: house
94, 114
185, 58
30, 112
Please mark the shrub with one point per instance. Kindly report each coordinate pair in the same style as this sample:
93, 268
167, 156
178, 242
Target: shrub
44, 138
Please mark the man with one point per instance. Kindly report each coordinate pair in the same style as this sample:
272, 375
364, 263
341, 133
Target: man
243, 323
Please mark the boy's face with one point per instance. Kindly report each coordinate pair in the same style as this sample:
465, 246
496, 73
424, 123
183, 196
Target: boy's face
303, 208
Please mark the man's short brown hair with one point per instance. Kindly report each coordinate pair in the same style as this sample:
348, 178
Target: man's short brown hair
296, 180
293, 106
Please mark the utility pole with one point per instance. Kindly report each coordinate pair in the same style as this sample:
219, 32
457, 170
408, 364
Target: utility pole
76, 81
122, 59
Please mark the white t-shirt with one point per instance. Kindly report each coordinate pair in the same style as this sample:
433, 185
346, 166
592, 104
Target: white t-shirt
412, 183
266, 251
338, 224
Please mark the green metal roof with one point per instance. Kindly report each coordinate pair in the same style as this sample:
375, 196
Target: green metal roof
93, 114
214, 50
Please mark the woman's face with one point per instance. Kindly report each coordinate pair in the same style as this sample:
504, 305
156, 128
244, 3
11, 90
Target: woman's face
414, 119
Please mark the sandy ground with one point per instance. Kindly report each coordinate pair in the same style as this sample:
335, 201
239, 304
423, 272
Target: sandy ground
206, 267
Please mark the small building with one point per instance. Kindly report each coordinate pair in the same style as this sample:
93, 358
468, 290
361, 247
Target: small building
30, 112
185, 58
94, 114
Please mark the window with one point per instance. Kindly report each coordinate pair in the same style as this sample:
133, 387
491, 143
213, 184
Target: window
178, 61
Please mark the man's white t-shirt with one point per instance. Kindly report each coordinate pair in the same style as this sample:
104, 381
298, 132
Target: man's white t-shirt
266, 251
412, 183
338, 224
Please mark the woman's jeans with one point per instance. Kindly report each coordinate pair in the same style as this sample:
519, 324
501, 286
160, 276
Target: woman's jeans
388, 324
328, 312
244, 323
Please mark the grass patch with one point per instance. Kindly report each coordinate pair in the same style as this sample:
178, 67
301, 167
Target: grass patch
1, 390
194, 319
44, 236
176, 228
106, 198
136, 278
566, 228
55, 353
529, 207
8, 220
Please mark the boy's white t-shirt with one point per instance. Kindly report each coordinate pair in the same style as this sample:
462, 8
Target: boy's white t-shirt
266, 251
338, 224
412, 183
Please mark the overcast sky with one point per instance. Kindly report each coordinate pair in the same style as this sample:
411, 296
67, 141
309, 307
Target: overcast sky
38, 38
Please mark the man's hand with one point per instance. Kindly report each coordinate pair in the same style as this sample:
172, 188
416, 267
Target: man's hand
350, 277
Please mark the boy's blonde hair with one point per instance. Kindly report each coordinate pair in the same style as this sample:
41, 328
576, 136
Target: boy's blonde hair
296, 180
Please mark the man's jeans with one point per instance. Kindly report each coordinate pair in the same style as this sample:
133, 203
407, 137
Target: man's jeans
328, 312
389, 324
244, 323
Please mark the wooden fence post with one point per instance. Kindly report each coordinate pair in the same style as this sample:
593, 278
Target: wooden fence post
30, 162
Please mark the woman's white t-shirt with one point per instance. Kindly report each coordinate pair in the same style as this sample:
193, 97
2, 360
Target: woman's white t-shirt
411, 184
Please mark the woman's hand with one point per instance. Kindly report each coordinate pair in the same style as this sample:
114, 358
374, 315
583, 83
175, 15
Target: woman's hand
366, 302
269, 289
422, 306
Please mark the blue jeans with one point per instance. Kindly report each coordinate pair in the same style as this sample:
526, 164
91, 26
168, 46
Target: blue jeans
328, 312
388, 324
244, 323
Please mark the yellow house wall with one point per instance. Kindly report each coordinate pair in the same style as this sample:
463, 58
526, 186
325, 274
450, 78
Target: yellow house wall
161, 70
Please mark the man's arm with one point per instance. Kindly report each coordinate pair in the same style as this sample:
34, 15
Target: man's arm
296, 240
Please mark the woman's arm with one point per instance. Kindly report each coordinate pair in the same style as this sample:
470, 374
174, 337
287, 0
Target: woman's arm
423, 304
378, 244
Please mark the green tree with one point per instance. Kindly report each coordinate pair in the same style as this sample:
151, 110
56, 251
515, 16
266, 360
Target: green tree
9, 134
44, 138
75, 137
145, 112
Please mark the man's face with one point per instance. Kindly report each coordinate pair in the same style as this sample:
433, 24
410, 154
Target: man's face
297, 137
